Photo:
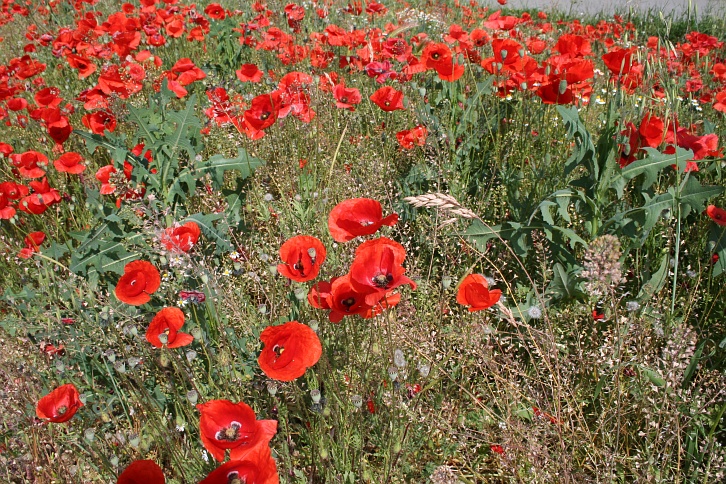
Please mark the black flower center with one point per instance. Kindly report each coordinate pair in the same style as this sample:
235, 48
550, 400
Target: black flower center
382, 280
229, 434
278, 350
62, 410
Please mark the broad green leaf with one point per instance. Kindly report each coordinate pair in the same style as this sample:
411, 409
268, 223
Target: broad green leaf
651, 165
480, 234
653, 376
656, 281
693, 195
218, 164
564, 285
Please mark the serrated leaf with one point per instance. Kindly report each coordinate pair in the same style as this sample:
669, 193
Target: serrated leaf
185, 121
480, 234
693, 195
651, 165
218, 164
584, 153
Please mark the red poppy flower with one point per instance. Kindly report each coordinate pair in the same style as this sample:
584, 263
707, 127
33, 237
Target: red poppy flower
140, 279
436, 55
257, 468
377, 269
717, 214
263, 111
289, 350
474, 292
318, 294
168, 321
32, 244
619, 60
59, 405
142, 472
7, 210
651, 131
357, 216
215, 11
48, 97
249, 73
17, 104
388, 99
225, 425
346, 98
302, 257
343, 300
412, 137
181, 239
100, 121
43, 196
27, 163
391, 299
497, 449
70, 162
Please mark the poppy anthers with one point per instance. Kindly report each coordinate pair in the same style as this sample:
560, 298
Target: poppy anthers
142, 472
257, 468
357, 216
140, 279
474, 292
302, 257
59, 405
225, 425
289, 350
168, 322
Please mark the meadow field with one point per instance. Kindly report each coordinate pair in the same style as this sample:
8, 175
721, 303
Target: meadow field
360, 242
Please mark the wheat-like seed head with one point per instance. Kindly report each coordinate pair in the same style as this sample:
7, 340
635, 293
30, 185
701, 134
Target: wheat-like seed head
444, 202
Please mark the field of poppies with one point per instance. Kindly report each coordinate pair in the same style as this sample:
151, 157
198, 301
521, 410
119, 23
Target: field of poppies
360, 242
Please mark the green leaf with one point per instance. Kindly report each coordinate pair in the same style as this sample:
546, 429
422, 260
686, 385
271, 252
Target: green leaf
206, 224
693, 195
480, 234
656, 281
584, 153
564, 285
653, 376
218, 164
653, 164
717, 245
186, 129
